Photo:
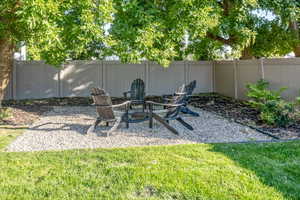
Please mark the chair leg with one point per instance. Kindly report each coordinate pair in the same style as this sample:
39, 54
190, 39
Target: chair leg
93, 127
126, 116
163, 122
179, 119
186, 110
115, 126
150, 116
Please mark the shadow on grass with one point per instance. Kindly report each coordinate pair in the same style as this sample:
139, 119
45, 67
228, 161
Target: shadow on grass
276, 164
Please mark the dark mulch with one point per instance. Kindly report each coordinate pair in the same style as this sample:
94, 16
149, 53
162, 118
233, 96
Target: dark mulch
239, 111
24, 112
23, 115
66, 101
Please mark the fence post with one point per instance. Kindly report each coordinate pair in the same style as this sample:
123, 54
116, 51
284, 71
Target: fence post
235, 79
14, 81
100, 74
187, 72
262, 68
213, 78
104, 75
147, 75
59, 81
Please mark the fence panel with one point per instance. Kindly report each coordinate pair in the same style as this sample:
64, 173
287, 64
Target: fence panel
202, 72
166, 80
35, 79
78, 77
284, 73
118, 77
224, 78
248, 71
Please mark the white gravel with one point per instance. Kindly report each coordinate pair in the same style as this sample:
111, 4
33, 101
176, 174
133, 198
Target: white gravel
65, 128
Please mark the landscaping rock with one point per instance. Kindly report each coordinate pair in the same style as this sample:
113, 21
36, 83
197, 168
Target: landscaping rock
65, 128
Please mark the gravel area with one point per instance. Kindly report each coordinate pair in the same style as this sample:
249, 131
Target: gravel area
65, 127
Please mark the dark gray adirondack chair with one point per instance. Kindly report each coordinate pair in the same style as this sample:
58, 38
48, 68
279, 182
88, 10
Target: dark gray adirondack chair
104, 109
173, 108
188, 90
137, 90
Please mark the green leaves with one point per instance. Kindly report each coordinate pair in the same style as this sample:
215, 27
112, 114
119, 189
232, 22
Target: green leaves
273, 109
157, 30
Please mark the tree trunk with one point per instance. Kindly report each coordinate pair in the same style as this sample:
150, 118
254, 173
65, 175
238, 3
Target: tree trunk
246, 54
297, 51
294, 27
6, 64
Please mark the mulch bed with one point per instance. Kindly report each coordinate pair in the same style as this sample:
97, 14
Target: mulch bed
239, 111
23, 115
25, 112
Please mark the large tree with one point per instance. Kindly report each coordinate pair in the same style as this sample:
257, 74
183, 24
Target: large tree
157, 29
53, 30
287, 14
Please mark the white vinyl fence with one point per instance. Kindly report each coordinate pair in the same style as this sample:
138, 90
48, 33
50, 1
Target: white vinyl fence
35, 79
231, 77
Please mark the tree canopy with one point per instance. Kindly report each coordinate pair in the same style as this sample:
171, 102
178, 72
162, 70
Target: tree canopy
159, 30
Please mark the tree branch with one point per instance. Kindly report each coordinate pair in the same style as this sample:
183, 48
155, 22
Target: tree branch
229, 41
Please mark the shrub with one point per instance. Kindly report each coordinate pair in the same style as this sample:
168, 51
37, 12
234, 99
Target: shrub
273, 109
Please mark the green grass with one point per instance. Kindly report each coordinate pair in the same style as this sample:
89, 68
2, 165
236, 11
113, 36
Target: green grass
7, 135
200, 171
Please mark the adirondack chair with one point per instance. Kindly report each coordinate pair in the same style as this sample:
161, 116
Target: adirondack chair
104, 109
137, 90
188, 90
173, 109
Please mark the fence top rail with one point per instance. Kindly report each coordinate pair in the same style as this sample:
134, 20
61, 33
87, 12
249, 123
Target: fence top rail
110, 62
274, 61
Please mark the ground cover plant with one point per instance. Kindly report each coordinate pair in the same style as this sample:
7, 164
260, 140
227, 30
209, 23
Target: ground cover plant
200, 171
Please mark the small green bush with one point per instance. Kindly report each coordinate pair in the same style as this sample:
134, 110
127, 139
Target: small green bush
273, 109
4, 113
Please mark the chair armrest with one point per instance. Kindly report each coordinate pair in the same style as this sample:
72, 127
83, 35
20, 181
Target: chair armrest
125, 93
166, 99
180, 93
122, 104
163, 104
112, 106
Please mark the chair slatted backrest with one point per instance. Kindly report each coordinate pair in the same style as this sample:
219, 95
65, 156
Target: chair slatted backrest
176, 99
137, 90
181, 89
189, 88
101, 98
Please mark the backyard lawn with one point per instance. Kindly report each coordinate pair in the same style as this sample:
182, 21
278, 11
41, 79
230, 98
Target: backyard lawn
199, 171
